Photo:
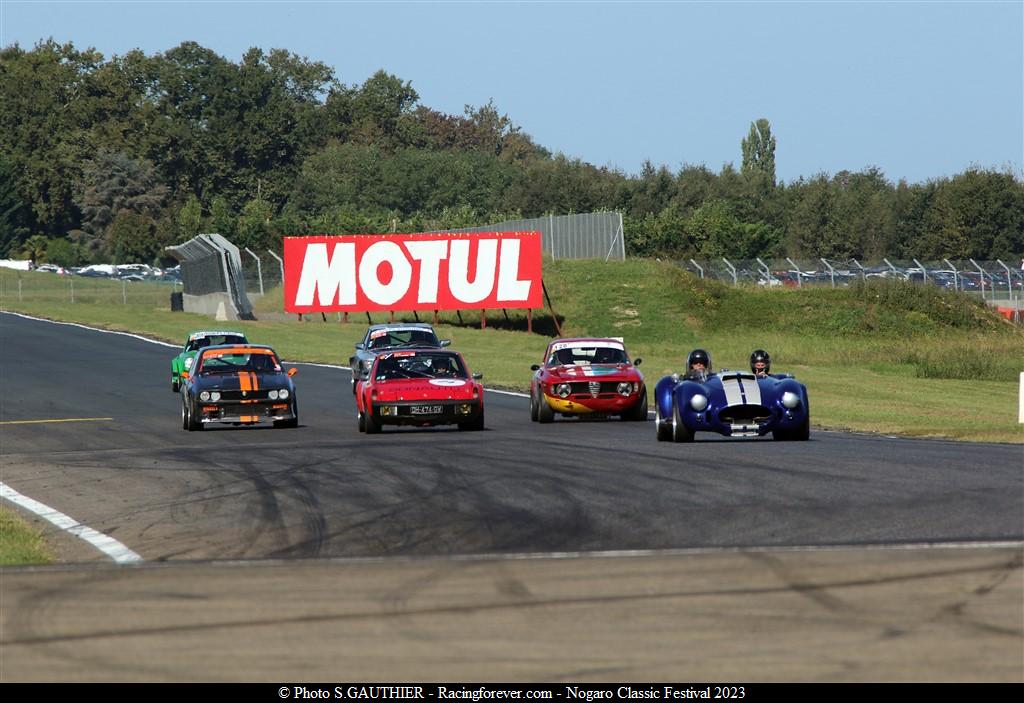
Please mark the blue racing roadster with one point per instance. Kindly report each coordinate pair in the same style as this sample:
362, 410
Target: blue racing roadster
734, 404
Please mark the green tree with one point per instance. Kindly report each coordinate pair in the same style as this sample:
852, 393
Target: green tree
13, 211
114, 182
133, 238
759, 155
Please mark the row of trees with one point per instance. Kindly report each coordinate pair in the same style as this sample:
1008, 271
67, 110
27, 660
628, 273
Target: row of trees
111, 160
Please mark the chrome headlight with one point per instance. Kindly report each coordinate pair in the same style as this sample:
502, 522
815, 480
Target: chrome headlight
215, 396
188, 362
204, 396
625, 388
699, 402
272, 395
563, 390
283, 393
790, 400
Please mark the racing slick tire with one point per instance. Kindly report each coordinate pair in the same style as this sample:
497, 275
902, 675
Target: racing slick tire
360, 420
294, 422
175, 386
373, 425
188, 418
533, 406
680, 432
544, 412
474, 425
800, 434
637, 413
664, 428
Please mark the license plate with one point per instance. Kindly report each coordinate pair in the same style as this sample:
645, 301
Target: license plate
425, 410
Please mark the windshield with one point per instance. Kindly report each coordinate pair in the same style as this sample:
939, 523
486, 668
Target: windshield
419, 365
214, 340
227, 361
381, 339
584, 355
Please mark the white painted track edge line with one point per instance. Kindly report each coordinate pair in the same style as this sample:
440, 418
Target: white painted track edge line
104, 543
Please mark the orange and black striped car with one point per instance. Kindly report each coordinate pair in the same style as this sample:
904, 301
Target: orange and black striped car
238, 384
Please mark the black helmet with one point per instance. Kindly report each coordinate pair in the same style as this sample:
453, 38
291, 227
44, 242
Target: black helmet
759, 356
701, 356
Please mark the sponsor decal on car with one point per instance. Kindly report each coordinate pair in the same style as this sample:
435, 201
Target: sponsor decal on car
447, 382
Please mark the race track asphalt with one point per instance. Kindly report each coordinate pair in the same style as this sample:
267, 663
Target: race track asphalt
315, 528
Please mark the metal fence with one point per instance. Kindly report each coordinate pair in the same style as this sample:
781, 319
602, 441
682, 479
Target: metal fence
593, 235
212, 274
994, 280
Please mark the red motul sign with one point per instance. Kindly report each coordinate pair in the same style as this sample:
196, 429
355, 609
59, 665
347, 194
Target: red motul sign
449, 271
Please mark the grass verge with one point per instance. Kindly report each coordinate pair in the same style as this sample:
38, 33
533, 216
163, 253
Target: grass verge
20, 543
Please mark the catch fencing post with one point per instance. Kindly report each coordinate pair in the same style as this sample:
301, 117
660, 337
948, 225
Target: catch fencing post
796, 270
699, 267
831, 271
956, 275
889, 264
1009, 282
124, 291
863, 276
924, 271
259, 268
732, 270
981, 271
766, 271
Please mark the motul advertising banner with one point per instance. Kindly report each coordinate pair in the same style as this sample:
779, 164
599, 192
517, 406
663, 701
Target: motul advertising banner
447, 271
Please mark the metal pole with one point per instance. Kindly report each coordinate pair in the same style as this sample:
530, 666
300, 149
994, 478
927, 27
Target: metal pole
796, 270
887, 263
732, 270
831, 271
281, 263
924, 271
259, 268
856, 263
982, 272
72, 282
124, 291
1009, 285
19, 289
766, 271
955, 274
699, 267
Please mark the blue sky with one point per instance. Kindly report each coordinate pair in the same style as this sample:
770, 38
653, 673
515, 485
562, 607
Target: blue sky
918, 89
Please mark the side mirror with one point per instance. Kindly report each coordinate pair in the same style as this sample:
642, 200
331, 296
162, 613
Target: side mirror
636, 362
477, 376
292, 371
535, 367
445, 342
360, 346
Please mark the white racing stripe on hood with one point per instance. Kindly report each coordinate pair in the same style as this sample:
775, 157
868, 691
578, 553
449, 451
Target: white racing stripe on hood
741, 391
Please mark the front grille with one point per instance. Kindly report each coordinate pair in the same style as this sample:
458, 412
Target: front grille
587, 388
743, 414
236, 396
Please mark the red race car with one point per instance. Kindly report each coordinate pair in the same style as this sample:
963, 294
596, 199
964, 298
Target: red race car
587, 376
422, 387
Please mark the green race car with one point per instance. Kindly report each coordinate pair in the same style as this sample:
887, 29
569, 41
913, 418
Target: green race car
196, 341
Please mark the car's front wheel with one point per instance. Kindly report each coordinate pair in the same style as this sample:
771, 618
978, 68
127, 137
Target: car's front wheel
663, 426
294, 421
544, 412
175, 386
680, 432
638, 413
189, 419
533, 406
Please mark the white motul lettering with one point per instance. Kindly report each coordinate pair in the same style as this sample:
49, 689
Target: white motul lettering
401, 273
458, 270
509, 286
429, 254
328, 279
